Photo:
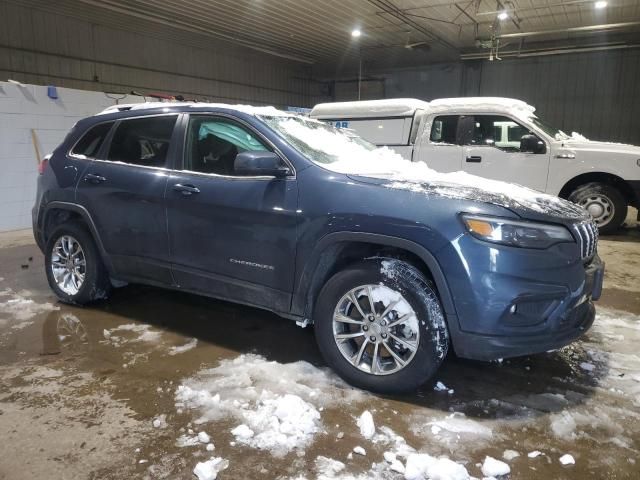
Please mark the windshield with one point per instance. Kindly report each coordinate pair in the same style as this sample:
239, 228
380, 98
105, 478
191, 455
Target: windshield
320, 142
548, 129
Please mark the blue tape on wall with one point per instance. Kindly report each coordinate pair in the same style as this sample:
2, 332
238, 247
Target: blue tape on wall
52, 92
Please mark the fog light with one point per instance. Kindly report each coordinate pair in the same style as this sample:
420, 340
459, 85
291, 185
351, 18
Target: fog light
513, 309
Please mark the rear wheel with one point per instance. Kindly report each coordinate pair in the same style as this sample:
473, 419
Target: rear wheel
380, 326
604, 202
74, 268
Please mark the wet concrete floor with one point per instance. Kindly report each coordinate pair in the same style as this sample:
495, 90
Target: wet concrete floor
80, 388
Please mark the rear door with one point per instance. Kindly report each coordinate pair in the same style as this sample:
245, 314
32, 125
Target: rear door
492, 150
438, 145
231, 236
123, 191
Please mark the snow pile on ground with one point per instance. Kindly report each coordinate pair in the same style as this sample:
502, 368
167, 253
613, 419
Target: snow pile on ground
209, 470
276, 405
20, 308
279, 424
193, 343
131, 332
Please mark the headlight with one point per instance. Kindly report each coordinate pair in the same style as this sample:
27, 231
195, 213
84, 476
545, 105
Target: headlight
514, 233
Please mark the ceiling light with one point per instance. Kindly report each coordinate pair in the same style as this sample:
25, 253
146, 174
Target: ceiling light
355, 33
503, 15
600, 4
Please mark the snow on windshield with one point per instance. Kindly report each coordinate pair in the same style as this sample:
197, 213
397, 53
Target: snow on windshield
349, 154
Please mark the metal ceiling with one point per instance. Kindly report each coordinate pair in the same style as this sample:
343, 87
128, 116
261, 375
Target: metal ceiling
395, 33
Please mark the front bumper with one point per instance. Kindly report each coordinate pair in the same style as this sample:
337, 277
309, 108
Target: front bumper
522, 302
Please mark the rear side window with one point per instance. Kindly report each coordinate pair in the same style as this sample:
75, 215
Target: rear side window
142, 141
90, 143
443, 129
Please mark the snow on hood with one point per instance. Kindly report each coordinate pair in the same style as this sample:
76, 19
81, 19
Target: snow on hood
335, 151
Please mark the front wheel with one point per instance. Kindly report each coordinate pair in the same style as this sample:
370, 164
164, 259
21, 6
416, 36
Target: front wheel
604, 202
380, 326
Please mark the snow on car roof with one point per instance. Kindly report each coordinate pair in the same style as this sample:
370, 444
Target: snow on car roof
272, 111
404, 107
483, 103
391, 107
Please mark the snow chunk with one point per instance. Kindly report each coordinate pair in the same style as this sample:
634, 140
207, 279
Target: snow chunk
360, 451
440, 387
184, 348
366, 425
209, 470
242, 432
494, 468
509, 455
567, 459
534, 454
589, 367
422, 465
203, 437
210, 447
328, 467
160, 421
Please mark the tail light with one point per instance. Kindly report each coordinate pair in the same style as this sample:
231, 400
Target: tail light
42, 165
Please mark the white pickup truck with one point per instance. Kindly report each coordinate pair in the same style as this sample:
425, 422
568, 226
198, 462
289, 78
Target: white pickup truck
501, 139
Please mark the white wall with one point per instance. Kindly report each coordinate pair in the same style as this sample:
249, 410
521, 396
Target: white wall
27, 107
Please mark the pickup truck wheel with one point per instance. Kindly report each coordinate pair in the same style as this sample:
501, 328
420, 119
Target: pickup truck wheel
380, 326
73, 265
605, 203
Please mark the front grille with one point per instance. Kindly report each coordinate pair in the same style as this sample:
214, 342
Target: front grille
587, 234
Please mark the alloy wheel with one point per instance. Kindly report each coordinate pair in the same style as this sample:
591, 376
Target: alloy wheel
68, 264
376, 329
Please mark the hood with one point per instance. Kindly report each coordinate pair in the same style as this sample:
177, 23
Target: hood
579, 143
524, 202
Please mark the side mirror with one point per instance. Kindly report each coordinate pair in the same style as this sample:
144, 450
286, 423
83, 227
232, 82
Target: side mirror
532, 144
267, 164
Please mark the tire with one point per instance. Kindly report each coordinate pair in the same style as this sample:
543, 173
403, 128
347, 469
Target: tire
601, 197
388, 279
95, 283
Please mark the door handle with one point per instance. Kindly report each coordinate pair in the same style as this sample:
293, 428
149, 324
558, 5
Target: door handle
474, 159
94, 178
186, 189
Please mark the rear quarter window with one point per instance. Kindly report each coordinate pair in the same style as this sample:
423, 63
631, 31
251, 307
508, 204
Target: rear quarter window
90, 143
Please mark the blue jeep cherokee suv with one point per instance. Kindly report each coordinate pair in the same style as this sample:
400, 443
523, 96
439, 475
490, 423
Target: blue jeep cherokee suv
273, 210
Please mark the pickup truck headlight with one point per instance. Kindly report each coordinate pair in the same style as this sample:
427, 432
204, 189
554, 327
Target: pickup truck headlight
516, 233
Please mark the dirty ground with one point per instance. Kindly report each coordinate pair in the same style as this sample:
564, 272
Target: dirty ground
151, 383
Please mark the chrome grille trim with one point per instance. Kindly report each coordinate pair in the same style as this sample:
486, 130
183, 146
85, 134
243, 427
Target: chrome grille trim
587, 236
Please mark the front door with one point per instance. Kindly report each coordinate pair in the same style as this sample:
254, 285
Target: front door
492, 150
231, 236
123, 192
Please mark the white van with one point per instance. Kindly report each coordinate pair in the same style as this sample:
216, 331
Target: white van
501, 139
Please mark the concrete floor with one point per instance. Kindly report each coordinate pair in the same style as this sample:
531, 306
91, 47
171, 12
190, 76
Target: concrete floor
80, 388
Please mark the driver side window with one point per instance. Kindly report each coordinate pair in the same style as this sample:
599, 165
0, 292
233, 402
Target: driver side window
213, 144
497, 131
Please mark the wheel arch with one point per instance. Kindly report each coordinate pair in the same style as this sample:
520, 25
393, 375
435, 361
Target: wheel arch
600, 177
57, 212
338, 250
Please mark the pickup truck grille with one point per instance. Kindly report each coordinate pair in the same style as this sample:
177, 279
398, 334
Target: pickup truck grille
587, 234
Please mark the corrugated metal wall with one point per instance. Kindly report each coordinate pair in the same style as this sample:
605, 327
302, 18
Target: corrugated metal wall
596, 94
43, 48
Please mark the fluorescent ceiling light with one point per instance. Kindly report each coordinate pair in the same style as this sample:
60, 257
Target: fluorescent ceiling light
600, 4
356, 32
503, 15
